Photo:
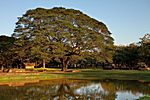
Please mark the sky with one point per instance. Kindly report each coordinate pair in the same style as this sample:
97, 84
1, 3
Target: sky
127, 20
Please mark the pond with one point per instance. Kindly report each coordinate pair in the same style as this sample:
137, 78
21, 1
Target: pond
69, 89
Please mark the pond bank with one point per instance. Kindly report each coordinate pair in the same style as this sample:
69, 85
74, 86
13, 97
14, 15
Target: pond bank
31, 77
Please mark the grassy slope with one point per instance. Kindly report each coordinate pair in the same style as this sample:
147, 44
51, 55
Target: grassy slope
143, 76
113, 74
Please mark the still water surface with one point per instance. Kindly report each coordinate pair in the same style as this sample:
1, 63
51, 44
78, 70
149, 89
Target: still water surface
66, 89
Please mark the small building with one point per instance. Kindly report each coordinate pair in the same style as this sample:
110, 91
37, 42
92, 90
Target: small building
29, 65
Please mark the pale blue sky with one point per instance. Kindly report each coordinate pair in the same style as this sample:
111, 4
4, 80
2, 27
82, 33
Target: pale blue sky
128, 20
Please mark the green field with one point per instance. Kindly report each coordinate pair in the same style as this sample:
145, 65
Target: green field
142, 76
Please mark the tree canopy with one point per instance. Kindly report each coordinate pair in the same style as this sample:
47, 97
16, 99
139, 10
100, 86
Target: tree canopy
145, 48
62, 34
134, 55
6, 44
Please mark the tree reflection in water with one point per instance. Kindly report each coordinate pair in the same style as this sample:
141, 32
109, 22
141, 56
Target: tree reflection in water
75, 90
65, 92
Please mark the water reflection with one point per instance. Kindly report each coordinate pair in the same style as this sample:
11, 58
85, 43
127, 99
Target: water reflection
76, 90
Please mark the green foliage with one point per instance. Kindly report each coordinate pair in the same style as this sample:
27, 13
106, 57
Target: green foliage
134, 55
128, 55
145, 49
144, 98
62, 34
6, 45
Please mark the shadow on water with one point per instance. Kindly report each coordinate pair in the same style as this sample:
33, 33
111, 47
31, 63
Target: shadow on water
76, 90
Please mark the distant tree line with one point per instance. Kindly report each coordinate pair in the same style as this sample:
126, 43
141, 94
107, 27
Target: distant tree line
133, 56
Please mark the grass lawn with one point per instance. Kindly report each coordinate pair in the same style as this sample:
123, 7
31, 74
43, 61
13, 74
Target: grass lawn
143, 76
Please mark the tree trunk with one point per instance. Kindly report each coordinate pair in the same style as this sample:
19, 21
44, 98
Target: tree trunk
2, 68
64, 63
43, 63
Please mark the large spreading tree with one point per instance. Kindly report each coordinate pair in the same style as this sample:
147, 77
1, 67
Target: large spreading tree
62, 34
